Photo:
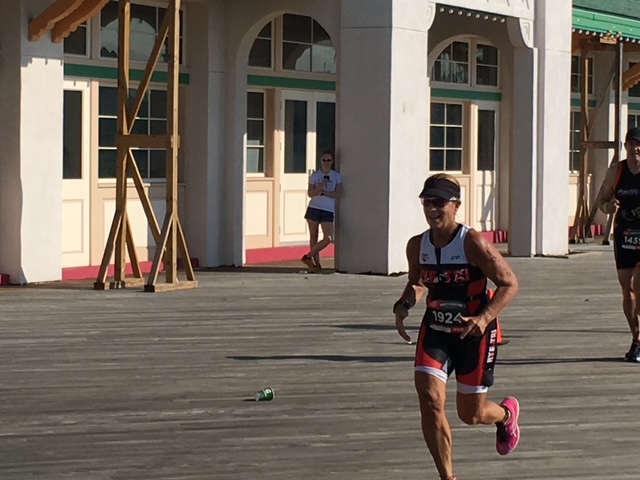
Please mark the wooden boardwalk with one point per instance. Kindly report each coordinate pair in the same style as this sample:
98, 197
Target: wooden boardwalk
125, 385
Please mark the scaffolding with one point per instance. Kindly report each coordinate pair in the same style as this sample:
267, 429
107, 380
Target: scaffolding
62, 18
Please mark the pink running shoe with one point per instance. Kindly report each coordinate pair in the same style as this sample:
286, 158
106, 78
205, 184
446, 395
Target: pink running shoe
508, 433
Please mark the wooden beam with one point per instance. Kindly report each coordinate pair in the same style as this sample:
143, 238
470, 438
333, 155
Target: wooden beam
631, 77
598, 144
143, 141
70, 23
44, 22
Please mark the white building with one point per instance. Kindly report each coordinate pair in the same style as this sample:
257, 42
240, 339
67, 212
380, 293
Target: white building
399, 88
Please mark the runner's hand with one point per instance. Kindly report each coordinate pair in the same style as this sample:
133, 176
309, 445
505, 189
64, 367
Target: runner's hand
401, 314
475, 326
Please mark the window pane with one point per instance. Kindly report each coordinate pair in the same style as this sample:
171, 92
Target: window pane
461, 52
255, 160
437, 137
109, 30
255, 105
437, 113
76, 42
72, 135
454, 137
260, 54
323, 58
158, 99
325, 129
107, 129
436, 160
297, 28
487, 55
158, 164
487, 76
486, 139
295, 134
265, 32
158, 127
255, 132
142, 160
459, 73
296, 56
320, 35
108, 103
140, 127
437, 73
454, 114
107, 164
454, 160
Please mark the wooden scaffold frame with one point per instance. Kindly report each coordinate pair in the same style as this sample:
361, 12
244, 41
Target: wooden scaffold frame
584, 215
170, 239
620, 80
63, 17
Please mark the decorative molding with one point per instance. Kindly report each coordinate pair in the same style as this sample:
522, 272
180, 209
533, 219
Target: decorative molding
520, 32
508, 8
431, 14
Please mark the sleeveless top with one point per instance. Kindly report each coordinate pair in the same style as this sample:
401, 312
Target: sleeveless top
456, 288
627, 218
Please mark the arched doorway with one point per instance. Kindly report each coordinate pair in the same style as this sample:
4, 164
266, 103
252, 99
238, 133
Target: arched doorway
291, 116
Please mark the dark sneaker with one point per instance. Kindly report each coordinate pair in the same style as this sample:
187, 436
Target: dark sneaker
508, 433
633, 355
308, 262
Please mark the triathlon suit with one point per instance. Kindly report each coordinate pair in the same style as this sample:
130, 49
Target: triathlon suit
456, 288
626, 230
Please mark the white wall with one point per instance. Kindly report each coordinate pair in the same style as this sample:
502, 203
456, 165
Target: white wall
31, 158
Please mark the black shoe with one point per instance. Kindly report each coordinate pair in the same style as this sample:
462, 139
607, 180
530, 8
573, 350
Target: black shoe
633, 355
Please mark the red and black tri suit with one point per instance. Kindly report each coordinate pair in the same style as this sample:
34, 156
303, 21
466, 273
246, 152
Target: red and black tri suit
456, 288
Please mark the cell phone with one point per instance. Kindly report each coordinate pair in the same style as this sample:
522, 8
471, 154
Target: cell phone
327, 177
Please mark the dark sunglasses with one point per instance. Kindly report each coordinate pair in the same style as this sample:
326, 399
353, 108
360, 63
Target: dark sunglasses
327, 160
437, 202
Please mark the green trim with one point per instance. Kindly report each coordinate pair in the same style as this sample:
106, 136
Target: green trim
283, 82
466, 94
576, 102
111, 73
597, 22
633, 106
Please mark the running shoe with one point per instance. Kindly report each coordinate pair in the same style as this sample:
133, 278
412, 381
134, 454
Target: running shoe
508, 433
633, 355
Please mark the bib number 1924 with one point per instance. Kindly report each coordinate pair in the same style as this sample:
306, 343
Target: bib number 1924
446, 318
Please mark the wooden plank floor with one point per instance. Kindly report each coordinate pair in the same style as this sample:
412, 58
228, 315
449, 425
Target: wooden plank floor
130, 385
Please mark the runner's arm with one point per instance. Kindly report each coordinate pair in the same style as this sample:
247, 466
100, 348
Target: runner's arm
413, 290
486, 257
606, 198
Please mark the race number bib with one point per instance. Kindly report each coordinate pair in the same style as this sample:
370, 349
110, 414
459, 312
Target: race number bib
446, 315
631, 239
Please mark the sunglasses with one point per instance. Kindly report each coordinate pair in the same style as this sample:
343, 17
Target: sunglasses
327, 160
437, 202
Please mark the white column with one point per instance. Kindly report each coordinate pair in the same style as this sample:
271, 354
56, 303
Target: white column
553, 40
31, 76
523, 179
204, 130
383, 98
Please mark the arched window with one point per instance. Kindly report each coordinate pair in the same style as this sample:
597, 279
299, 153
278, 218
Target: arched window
467, 62
304, 46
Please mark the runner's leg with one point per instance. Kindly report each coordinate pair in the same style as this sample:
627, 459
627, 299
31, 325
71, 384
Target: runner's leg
629, 284
432, 395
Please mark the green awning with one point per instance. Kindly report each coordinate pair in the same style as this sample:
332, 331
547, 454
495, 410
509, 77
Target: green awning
599, 23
